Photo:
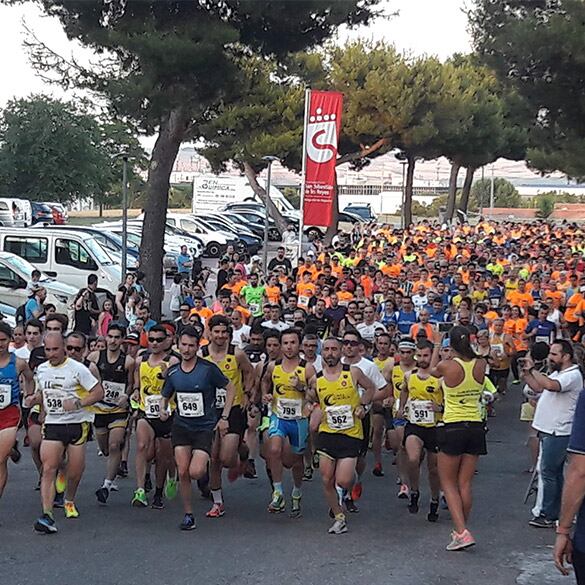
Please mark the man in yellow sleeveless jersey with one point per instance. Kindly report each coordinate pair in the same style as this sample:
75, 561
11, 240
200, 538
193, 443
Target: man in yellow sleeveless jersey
236, 367
423, 395
341, 432
283, 387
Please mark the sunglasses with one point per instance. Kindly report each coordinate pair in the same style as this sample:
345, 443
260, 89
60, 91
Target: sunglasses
351, 342
74, 348
156, 339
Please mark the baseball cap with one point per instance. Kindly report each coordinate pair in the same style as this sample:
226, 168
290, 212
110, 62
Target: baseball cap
132, 338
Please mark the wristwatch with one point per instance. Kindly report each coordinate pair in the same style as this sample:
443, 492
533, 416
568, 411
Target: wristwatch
223, 417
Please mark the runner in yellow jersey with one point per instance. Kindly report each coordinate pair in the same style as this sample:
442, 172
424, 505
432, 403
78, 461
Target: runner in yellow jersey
382, 411
406, 349
424, 396
461, 438
340, 437
236, 367
153, 436
283, 387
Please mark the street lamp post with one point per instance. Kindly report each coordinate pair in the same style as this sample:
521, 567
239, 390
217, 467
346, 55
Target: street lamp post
403, 211
270, 160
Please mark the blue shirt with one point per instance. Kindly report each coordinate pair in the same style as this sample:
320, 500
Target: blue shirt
31, 306
543, 329
9, 377
183, 259
577, 445
203, 379
405, 320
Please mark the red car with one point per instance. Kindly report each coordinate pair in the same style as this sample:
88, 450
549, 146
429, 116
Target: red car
60, 215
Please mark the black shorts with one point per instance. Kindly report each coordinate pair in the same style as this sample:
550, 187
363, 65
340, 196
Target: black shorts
112, 420
462, 438
33, 418
366, 425
496, 375
338, 446
428, 436
162, 429
68, 433
386, 412
237, 421
197, 440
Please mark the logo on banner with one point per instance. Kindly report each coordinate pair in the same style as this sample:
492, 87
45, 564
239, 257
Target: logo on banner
321, 137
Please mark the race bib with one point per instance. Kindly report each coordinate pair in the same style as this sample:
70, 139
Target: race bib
421, 412
220, 394
254, 308
113, 391
542, 339
304, 301
495, 303
339, 418
5, 395
190, 404
498, 348
152, 404
289, 408
53, 401
378, 298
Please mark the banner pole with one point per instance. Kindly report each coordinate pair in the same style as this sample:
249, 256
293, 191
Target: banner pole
303, 172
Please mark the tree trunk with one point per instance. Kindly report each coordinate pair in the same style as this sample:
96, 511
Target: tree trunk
407, 206
455, 166
171, 133
101, 209
273, 211
464, 202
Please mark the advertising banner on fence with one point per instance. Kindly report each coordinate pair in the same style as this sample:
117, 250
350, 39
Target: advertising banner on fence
322, 127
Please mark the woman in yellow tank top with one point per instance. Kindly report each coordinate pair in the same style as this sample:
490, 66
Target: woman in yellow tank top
462, 437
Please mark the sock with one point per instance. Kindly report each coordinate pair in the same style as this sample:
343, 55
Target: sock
217, 497
340, 516
48, 513
158, 492
278, 486
296, 492
108, 484
69, 502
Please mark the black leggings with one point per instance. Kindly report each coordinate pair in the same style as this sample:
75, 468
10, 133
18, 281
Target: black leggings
517, 355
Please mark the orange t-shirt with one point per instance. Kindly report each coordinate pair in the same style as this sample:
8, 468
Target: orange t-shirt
519, 343
204, 312
572, 304
344, 297
273, 294
305, 292
523, 300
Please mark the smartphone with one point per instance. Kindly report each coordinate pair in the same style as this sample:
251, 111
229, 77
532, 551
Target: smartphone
445, 327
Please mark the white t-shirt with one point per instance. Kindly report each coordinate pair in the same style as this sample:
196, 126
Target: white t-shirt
317, 364
555, 410
22, 352
241, 336
370, 369
280, 326
69, 380
368, 331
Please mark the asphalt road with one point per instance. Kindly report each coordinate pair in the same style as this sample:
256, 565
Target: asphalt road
385, 545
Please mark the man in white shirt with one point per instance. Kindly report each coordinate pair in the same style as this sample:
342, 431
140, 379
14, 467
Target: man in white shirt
240, 331
420, 298
367, 328
553, 420
274, 322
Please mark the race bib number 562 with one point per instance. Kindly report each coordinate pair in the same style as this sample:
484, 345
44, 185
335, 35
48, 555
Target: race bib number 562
339, 418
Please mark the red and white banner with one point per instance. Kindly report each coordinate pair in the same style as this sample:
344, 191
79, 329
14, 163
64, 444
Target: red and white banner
322, 127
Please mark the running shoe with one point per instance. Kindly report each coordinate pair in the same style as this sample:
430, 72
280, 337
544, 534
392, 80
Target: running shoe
277, 503
378, 471
403, 492
71, 510
140, 500
250, 472
217, 511
515, 381
171, 488
413, 504
114, 487
264, 424
123, 469
315, 460
461, 541
15, 454
45, 524
188, 522
356, 491
433, 514
102, 495
339, 526
60, 482
59, 500
542, 522
308, 474
295, 511
157, 502
444, 505
147, 483
350, 506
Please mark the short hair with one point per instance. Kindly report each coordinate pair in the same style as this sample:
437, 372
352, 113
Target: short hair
117, 327
291, 331
61, 318
35, 272
92, 279
354, 332
6, 329
190, 331
271, 334
78, 335
425, 344
34, 323
218, 320
566, 347
159, 329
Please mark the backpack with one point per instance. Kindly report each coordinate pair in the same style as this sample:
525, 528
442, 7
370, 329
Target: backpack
21, 314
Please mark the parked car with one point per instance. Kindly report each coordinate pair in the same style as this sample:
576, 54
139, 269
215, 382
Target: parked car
259, 217
15, 273
41, 213
8, 314
60, 215
15, 212
252, 243
364, 210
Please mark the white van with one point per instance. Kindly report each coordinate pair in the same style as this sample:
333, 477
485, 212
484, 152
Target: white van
70, 256
15, 212
25, 208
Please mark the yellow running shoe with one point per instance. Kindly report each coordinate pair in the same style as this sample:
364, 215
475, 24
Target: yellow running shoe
71, 510
60, 482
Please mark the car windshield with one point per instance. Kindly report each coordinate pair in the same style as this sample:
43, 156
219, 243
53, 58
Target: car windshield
20, 265
99, 253
134, 238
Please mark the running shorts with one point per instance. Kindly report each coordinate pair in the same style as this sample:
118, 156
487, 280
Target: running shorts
9, 417
366, 425
237, 420
109, 421
338, 446
162, 429
496, 375
296, 431
197, 440
428, 436
75, 434
462, 438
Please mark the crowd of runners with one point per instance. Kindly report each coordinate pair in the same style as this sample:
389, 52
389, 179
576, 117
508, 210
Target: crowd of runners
388, 339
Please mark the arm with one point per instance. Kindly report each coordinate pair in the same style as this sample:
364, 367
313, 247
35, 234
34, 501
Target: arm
25, 372
95, 395
247, 373
404, 393
267, 384
118, 302
136, 378
362, 380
